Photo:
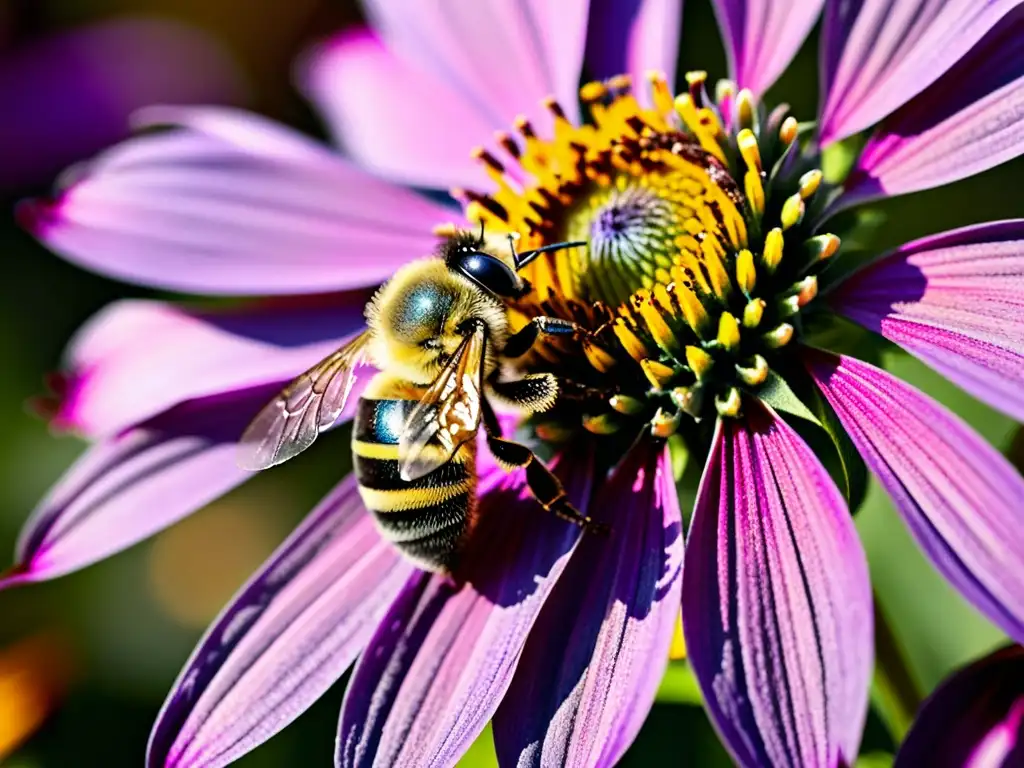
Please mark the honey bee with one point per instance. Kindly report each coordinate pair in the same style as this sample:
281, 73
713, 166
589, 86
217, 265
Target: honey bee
438, 332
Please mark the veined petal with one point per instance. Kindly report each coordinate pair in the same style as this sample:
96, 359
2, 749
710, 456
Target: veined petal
284, 639
633, 37
956, 301
878, 54
503, 57
399, 120
613, 614
776, 600
230, 203
973, 113
762, 37
959, 497
130, 486
437, 668
975, 719
138, 358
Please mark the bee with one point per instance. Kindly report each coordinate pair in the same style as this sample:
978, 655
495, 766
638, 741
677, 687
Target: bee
438, 332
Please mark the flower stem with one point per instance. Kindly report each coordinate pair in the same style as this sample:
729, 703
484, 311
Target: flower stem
894, 692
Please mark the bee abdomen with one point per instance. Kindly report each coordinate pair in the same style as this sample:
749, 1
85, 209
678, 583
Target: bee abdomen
426, 518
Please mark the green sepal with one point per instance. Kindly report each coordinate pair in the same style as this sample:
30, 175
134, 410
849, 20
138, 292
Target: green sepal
840, 457
875, 760
777, 393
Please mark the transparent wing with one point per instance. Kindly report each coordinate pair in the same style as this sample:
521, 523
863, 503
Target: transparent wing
290, 423
448, 414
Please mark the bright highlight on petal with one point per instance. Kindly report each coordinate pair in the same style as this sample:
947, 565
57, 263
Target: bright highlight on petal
969, 120
776, 600
955, 300
877, 54
958, 496
232, 204
138, 358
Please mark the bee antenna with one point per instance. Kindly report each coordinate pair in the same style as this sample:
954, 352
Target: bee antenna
481, 237
522, 259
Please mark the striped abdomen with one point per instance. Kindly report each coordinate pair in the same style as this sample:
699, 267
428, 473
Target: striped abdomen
427, 518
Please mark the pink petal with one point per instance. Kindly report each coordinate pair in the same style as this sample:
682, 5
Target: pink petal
284, 639
973, 113
128, 487
762, 37
441, 77
401, 121
878, 54
233, 204
437, 668
611, 618
955, 300
505, 57
633, 37
958, 496
138, 358
776, 600
975, 719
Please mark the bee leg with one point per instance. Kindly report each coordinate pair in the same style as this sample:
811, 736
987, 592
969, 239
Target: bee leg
533, 393
521, 341
544, 486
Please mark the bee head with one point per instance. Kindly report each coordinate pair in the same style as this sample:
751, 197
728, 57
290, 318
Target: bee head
465, 255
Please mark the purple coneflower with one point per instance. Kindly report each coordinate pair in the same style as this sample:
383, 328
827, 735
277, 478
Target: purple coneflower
708, 230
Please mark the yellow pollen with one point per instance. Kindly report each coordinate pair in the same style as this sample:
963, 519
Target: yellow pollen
772, 254
792, 211
664, 423
745, 109
788, 130
687, 399
659, 374
700, 362
807, 289
604, 424
629, 341
746, 272
753, 312
728, 331
597, 357
625, 404
809, 183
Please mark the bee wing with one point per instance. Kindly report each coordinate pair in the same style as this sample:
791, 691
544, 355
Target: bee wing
290, 423
448, 414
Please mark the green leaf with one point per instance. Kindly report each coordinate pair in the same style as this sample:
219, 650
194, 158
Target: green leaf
837, 159
778, 394
679, 685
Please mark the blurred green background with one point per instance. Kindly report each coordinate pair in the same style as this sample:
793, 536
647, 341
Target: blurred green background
99, 650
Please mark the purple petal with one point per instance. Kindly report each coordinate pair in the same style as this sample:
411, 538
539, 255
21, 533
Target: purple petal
973, 720
138, 358
973, 113
762, 37
128, 487
368, 94
284, 639
437, 668
444, 78
960, 498
69, 95
776, 600
611, 618
878, 54
955, 300
233, 204
632, 37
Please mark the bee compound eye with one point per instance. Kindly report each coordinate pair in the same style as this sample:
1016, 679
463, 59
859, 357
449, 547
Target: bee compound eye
489, 273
